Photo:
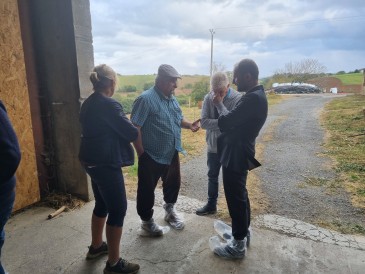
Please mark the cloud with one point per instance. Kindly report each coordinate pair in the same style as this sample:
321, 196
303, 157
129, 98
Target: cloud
135, 37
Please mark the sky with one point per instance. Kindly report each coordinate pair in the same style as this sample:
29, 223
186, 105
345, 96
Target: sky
135, 37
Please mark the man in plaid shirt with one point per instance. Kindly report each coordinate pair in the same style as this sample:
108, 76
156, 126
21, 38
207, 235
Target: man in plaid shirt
158, 117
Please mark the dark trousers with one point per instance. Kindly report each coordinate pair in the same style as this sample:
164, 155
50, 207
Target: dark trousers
237, 200
214, 166
149, 172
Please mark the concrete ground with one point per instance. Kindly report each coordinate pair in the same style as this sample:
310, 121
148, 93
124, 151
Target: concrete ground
279, 245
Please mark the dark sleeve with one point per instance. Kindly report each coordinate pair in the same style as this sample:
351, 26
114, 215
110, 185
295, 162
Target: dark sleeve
244, 111
120, 123
9, 147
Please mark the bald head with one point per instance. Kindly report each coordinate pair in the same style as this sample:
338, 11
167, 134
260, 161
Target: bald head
245, 74
247, 66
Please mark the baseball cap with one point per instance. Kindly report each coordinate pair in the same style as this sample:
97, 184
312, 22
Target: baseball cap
165, 70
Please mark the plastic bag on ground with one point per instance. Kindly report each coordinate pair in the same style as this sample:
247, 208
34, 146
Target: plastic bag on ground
223, 230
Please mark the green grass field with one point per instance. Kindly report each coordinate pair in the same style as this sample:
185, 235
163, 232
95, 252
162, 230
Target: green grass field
350, 78
140, 80
344, 119
135, 80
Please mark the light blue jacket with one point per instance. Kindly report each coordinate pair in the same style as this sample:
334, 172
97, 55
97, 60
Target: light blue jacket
208, 120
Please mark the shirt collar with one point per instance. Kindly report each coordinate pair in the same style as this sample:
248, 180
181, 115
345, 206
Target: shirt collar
258, 87
228, 93
161, 95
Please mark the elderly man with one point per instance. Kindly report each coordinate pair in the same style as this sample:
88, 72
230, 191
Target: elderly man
158, 117
209, 121
236, 151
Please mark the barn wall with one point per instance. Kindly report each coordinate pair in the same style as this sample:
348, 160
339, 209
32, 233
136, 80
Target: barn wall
63, 52
14, 94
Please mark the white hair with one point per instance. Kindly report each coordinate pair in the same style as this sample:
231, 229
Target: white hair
219, 81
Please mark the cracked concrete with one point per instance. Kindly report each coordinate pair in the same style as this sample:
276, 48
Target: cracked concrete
281, 224
304, 230
279, 245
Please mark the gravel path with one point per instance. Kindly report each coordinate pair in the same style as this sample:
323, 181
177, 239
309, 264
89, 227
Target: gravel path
292, 164
194, 179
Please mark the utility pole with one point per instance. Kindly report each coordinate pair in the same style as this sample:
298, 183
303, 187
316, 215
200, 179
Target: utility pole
212, 32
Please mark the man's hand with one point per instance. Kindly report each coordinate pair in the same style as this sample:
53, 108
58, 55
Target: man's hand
138, 142
195, 126
217, 98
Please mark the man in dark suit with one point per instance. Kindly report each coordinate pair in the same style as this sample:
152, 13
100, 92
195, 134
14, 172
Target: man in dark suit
236, 151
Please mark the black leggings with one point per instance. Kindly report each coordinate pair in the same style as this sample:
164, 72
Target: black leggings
109, 191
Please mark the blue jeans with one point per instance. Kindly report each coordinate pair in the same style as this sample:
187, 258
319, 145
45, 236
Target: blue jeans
214, 166
6, 206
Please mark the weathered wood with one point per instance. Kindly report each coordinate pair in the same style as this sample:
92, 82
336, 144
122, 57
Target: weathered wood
57, 212
14, 94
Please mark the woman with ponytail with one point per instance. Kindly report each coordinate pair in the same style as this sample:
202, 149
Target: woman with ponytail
105, 148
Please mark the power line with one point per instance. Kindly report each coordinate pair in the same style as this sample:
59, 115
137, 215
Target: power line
296, 23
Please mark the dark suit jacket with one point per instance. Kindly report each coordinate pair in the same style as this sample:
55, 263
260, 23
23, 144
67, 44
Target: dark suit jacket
106, 133
240, 127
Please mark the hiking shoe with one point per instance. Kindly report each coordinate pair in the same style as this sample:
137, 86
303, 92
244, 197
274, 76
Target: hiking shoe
96, 252
122, 266
206, 210
172, 217
151, 228
235, 249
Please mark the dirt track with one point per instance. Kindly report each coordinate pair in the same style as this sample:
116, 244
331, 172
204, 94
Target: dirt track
298, 181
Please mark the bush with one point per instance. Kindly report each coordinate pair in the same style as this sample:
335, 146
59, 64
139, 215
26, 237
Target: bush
188, 86
183, 100
200, 89
148, 85
129, 88
127, 102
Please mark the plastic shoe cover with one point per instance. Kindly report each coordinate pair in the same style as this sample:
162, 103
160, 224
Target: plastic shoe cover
173, 218
215, 242
249, 237
151, 229
225, 231
230, 250
144, 233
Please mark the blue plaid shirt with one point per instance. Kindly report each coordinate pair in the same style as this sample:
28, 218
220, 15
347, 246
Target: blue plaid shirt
160, 120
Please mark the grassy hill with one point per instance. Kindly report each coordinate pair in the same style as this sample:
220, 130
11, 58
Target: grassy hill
182, 92
184, 85
135, 80
347, 82
350, 78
